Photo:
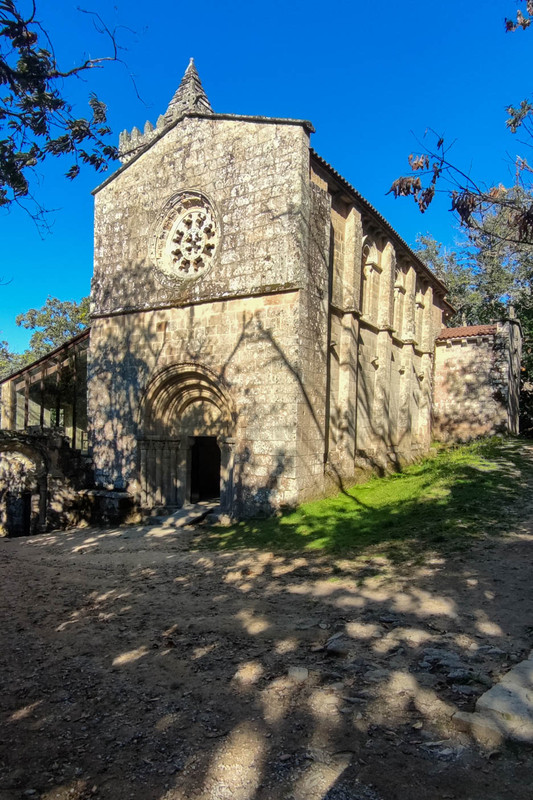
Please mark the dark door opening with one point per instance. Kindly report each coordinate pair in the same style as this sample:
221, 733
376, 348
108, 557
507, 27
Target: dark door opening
205, 469
18, 508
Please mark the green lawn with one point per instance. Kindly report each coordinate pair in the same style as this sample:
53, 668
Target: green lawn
442, 503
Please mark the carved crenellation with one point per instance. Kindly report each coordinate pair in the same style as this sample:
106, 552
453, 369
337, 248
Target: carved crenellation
130, 143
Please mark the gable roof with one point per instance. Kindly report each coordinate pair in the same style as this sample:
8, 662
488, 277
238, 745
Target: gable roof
465, 331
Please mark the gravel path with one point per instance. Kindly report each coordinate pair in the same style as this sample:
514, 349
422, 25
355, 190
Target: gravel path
133, 666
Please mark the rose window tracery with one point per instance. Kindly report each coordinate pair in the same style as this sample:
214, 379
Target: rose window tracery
186, 238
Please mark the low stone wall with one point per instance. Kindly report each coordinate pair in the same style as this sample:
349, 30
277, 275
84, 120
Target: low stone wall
40, 479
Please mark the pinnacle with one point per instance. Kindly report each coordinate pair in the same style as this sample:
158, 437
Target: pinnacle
189, 97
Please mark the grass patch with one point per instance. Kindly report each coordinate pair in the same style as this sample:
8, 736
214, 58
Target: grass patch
441, 503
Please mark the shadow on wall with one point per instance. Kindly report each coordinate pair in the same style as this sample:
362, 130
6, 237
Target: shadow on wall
471, 400
125, 359
186, 395
40, 479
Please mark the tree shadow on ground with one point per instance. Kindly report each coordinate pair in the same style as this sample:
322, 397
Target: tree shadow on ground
441, 504
138, 669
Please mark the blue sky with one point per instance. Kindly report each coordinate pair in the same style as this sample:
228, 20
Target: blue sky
369, 76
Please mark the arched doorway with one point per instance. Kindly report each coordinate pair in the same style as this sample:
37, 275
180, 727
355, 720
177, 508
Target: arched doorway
186, 446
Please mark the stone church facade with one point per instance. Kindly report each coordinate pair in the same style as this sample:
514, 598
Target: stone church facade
250, 306
259, 331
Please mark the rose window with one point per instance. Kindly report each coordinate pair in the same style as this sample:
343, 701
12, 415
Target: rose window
193, 242
186, 238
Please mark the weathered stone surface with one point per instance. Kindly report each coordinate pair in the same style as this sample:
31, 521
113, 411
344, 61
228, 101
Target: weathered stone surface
505, 711
253, 318
482, 729
511, 700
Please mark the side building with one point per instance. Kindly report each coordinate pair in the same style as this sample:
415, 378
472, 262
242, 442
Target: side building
477, 381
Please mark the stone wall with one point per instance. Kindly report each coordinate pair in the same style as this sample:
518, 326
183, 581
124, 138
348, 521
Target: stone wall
237, 324
254, 177
477, 381
385, 313
40, 482
250, 348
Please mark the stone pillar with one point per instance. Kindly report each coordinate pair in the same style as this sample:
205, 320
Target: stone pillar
386, 287
183, 459
166, 478
145, 499
409, 305
157, 472
227, 459
352, 261
347, 393
343, 421
7, 411
381, 405
426, 397
42, 484
427, 342
174, 472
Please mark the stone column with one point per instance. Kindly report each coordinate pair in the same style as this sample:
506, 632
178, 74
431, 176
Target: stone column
426, 395
227, 459
174, 446
347, 335
158, 472
166, 478
352, 261
182, 457
409, 305
145, 500
42, 484
381, 406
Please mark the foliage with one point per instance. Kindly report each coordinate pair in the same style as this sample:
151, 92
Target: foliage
36, 120
491, 275
459, 275
442, 503
474, 203
53, 324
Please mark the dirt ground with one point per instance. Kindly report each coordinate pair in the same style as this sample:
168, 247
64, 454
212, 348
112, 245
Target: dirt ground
134, 666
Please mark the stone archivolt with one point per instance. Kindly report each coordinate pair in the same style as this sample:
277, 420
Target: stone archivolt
174, 390
186, 238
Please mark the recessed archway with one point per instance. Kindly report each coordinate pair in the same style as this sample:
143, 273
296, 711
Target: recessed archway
187, 420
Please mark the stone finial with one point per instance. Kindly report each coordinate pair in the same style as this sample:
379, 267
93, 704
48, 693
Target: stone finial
190, 96
148, 128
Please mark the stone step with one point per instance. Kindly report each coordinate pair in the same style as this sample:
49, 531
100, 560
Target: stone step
189, 514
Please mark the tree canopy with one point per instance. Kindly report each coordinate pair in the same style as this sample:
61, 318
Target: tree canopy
36, 119
52, 325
